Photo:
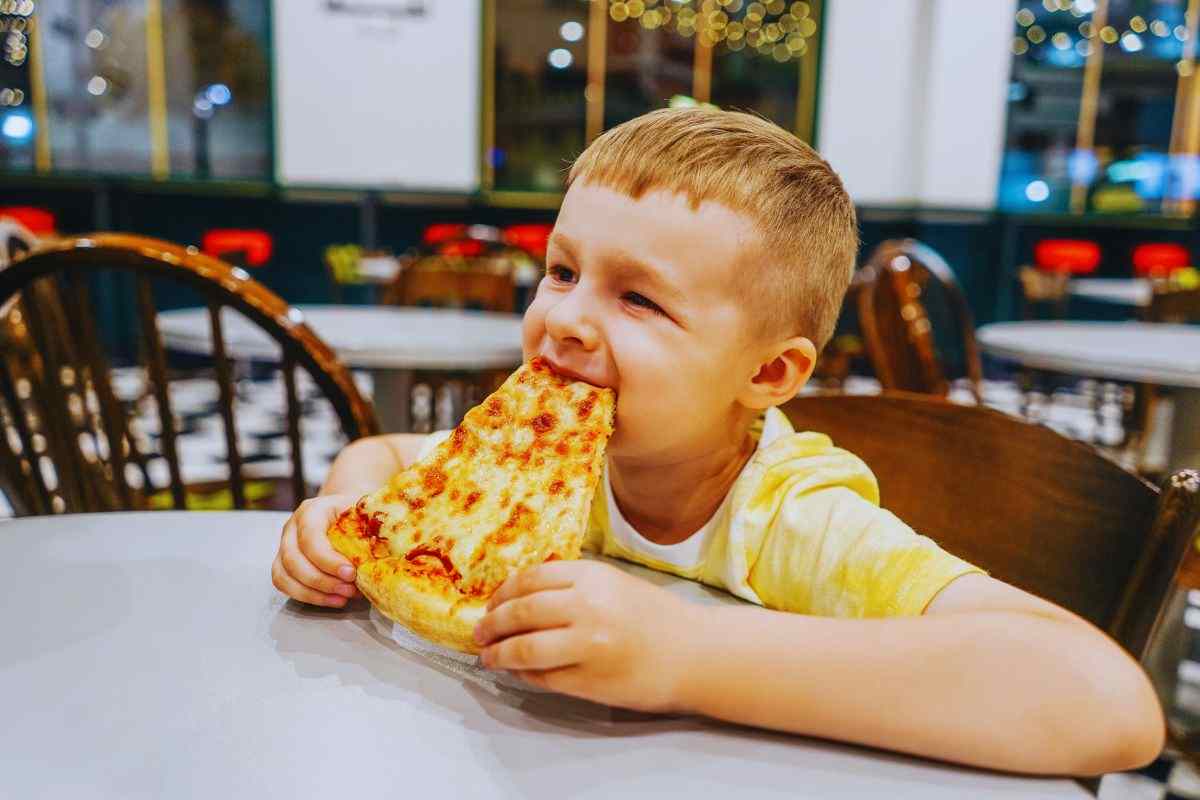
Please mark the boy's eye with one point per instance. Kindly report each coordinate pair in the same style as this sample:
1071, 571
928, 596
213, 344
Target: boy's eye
563, 274
641, 301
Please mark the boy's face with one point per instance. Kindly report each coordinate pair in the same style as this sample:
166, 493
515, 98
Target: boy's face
638, 296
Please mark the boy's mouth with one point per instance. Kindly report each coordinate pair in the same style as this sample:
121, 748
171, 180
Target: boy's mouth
567, 372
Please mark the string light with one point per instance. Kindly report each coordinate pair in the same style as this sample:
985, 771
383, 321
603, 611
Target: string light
777, 29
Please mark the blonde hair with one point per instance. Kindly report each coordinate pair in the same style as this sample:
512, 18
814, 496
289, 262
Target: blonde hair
802, 212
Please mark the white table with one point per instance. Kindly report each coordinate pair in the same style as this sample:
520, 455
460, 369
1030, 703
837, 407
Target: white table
1135, 292
147, 655
1164, 355
391, 342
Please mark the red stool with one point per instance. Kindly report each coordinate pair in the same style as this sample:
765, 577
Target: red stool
440, 232
1159, 259
245, 248
39, 221
532, 237
1072, 256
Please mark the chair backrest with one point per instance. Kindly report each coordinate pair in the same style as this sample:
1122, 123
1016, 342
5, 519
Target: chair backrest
896, 324
15, 240
1044, 289
1035, 509
70, 444
1171, 303
481, 284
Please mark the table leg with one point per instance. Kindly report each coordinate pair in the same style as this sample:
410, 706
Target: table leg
1185, 429
393, 399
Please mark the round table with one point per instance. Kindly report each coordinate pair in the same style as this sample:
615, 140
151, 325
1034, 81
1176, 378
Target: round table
1117, 291
1164, 355
390, 342
147, 655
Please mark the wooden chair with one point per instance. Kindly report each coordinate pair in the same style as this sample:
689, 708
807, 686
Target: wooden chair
1043, 293
1171, 303
1045, 513
896, 324
15, 240
478, 284
69, 445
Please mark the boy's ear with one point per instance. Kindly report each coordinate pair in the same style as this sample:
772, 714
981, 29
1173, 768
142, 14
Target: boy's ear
788, 366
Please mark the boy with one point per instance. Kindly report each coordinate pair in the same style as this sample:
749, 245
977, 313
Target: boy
696, 267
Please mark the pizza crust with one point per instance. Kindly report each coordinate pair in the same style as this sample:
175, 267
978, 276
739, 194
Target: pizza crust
435, 615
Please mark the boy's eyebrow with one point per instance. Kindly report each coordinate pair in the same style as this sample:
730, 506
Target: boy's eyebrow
629, 266
563, 241
636, 268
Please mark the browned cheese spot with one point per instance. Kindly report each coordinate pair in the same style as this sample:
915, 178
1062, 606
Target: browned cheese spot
434, 481
587, 404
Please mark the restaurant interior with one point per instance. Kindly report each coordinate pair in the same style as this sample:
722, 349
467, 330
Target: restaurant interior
237, 235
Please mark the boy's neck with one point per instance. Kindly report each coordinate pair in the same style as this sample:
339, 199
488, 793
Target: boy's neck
668, 502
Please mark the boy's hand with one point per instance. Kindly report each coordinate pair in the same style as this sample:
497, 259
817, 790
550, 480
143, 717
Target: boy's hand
307, 568
588, 629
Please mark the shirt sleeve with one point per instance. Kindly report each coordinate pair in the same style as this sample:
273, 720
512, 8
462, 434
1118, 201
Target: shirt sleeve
832, 552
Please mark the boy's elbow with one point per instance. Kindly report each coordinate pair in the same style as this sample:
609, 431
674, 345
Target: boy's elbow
1139, 738
1133, 731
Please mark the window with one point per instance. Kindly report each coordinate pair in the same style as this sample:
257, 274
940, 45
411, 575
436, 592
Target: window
1092, 104
161, 87
568, 69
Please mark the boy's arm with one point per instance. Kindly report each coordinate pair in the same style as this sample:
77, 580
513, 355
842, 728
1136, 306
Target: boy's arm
366, 464
989, 676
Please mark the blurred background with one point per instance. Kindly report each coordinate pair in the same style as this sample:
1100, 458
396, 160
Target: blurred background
976, 127
378, 179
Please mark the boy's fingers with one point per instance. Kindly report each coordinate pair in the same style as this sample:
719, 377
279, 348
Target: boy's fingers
312, 523
541, 650
544, 577
298, 567
298, 591
538, 611
559, 680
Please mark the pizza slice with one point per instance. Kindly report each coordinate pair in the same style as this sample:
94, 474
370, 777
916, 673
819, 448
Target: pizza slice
511, 487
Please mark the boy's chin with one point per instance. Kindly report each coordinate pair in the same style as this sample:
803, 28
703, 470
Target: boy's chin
618, 443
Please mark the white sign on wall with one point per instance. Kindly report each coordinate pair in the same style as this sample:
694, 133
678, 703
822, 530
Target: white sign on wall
913, 99
377, 93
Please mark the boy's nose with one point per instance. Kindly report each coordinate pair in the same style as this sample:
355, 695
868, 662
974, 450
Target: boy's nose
569, 323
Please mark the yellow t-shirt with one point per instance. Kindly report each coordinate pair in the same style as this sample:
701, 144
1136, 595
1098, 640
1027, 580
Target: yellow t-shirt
803, 532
